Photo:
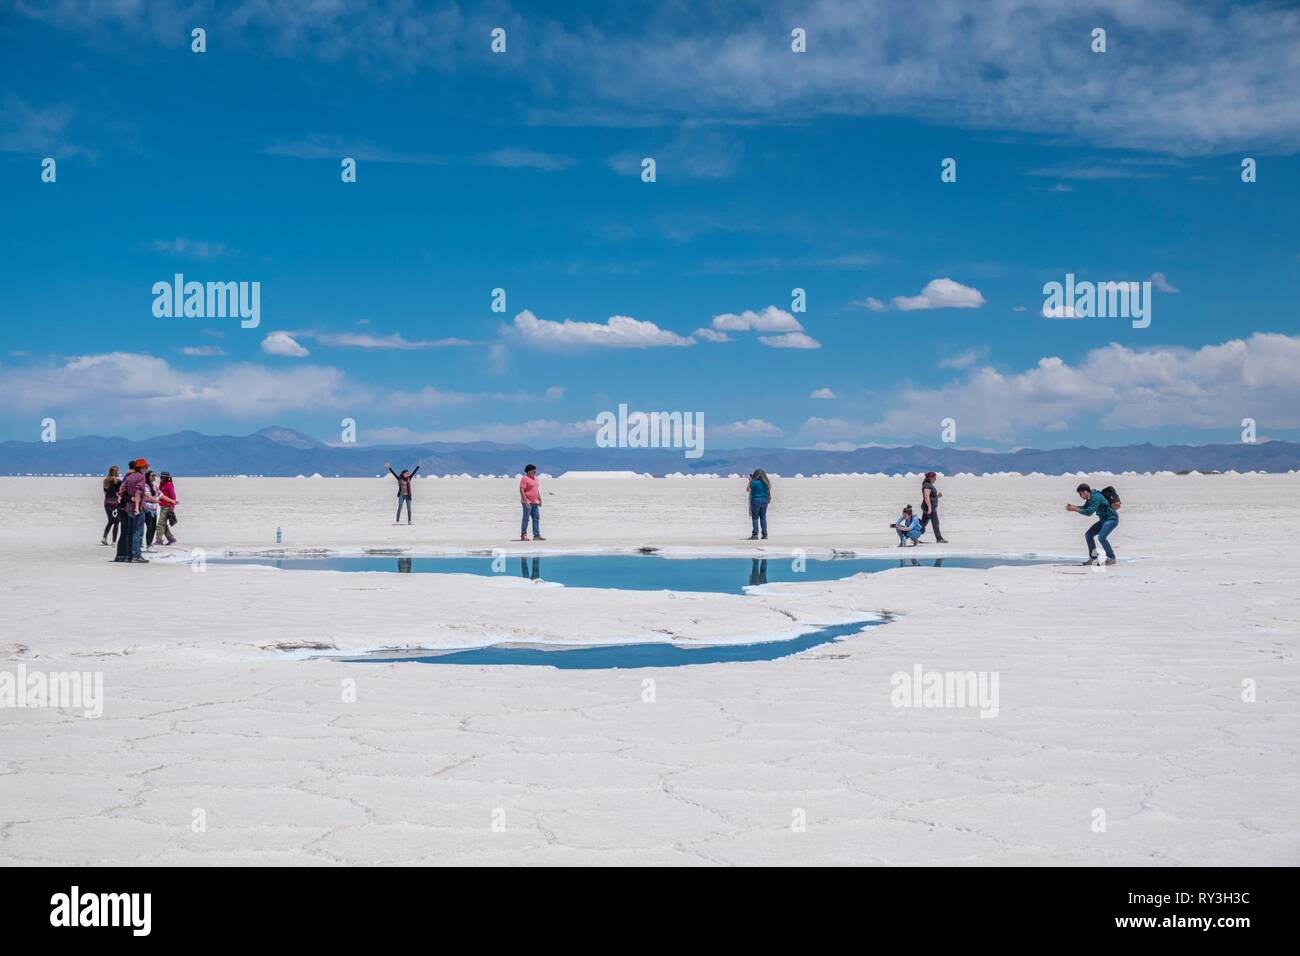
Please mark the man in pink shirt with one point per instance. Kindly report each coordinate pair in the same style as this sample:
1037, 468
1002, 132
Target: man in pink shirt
530, 496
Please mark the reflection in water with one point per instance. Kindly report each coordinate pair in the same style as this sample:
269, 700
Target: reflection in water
724, 575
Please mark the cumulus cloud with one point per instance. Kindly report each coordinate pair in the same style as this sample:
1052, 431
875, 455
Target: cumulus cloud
790, 340
1117, 387
770, 319
282, 343
822, 393
130, 387
618, 331
710, 335
940, 294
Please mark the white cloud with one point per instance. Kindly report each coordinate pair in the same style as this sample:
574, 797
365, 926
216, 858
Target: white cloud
363, 340
282, 343
513, 158
822, 393
965, 359
1197, 77
750, 428
790, 340
322, 147
201, 351
529, 432
770, 319
618, 331
1160, 283
1118, 387
430, 397
191, 248
129, 387
833, 429
871, 303
709, 335
940, 294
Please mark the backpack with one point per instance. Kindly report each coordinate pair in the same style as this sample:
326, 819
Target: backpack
1111, 496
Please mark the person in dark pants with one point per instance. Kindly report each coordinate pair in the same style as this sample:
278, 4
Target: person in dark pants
1107, 521
403, 491
930, 496
111, 483
131, 506
760, 496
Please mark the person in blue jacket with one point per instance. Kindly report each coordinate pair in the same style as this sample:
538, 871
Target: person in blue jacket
760, 496
909, 528
1095, 503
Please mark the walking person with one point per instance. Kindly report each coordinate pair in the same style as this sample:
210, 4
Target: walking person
112, 482
930, 496
131, 498
166, 508
760, 496
1104, 505
908, 527
530, 496
403, 491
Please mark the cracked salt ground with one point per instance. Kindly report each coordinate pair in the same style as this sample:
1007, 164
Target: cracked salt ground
1120, 690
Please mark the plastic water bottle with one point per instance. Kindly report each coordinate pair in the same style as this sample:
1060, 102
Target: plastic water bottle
277, 536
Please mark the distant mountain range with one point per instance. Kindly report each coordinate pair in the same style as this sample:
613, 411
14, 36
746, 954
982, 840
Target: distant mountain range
277, 451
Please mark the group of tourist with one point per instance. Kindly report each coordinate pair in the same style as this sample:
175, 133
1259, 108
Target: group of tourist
1104, 504
140, 508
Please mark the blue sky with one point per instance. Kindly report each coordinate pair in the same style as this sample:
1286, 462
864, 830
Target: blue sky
775, 170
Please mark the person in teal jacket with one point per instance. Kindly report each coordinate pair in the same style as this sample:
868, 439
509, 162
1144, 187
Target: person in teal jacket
760, 496
1107, 521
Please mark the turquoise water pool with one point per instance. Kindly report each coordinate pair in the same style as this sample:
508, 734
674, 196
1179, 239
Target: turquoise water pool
726, 575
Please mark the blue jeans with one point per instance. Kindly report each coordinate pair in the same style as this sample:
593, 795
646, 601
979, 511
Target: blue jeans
1101, 529
137, 534
758, 512
904, 536
535, 511
407, 500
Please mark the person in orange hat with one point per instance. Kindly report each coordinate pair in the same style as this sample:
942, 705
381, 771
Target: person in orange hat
131, 497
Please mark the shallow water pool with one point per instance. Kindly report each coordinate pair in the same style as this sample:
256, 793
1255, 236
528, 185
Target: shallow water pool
727, 575
618, 656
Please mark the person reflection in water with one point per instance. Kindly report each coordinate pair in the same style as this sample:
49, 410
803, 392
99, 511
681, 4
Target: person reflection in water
758, 571
404, 565
537, 569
